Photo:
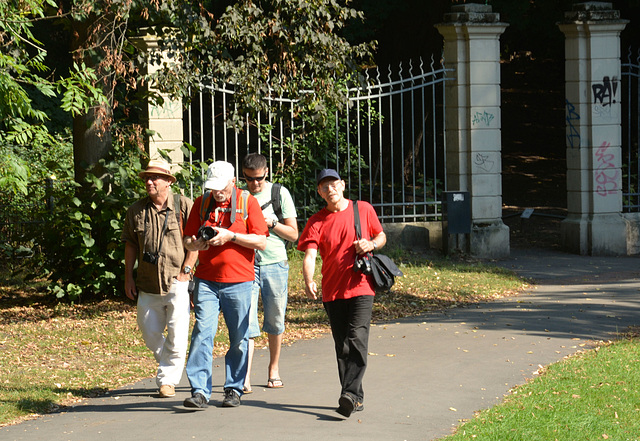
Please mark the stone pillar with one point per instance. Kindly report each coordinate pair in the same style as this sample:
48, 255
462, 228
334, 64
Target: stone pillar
471, 46
594, 225
165, 120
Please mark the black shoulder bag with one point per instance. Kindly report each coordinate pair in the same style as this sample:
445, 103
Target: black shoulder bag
381, 267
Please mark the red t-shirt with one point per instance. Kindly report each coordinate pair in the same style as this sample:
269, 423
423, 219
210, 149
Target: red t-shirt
333, 234
229, 263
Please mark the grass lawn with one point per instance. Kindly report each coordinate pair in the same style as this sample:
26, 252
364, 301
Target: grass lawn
52, 355
592, 395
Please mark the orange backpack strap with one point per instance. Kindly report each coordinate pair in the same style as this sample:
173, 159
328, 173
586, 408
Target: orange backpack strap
238, 205
206, 206
243, 207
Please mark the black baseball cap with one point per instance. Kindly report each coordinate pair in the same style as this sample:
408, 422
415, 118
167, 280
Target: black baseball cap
327, 173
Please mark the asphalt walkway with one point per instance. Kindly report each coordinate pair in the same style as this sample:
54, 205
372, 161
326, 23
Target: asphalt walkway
426, 373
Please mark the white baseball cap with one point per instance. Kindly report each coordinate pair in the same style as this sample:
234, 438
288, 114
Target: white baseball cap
218, 175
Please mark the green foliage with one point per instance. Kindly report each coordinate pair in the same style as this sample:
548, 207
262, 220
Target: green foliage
79, 91
25, 76
82, 253
266, 49
27, 174
14, 174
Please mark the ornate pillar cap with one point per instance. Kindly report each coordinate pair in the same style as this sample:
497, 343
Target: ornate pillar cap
591, 11
472, 13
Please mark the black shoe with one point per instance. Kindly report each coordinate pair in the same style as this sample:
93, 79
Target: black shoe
359, 407
346, 405
197, 401
231, 398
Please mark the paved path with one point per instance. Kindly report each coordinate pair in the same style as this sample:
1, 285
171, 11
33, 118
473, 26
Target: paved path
426, 373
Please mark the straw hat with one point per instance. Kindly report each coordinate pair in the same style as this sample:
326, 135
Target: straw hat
158, 167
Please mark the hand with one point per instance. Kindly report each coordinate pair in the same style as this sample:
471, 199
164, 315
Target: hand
182, 277
193, 244
130, 289
363, 246
311, 290
222, 237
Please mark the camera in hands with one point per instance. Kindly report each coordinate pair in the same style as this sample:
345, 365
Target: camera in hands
363, 264
206, 232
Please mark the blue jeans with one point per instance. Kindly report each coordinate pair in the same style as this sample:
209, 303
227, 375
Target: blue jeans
273, 282
234, 300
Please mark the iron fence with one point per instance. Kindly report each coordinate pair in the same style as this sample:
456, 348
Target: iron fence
631, 132
388, 143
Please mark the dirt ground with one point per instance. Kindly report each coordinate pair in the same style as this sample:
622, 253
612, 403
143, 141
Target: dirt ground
533, 151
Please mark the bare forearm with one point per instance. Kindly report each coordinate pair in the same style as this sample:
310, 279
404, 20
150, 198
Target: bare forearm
288, 229
308, 268
190, 258
253, 241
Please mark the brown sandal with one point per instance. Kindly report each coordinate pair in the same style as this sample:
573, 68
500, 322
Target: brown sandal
275, 383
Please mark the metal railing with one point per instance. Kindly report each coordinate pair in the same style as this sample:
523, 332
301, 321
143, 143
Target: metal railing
389, 143
631, 132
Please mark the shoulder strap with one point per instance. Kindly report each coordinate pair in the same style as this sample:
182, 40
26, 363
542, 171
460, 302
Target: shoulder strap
243, 204
208, 201
176, 207
356, 220
206, 205
275, 200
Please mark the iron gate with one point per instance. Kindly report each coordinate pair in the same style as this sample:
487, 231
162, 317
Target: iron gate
389, 143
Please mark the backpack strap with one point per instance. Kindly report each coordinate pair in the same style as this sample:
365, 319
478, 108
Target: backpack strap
356, 220
206, 206
243, 205
209, 202
275, 198
275, 201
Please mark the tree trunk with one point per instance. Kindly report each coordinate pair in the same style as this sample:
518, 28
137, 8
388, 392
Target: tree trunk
91, 142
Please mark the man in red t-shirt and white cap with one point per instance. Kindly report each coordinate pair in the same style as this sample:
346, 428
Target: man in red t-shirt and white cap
235, 228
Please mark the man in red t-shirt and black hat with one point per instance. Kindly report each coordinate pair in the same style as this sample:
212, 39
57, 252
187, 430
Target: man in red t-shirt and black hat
347, 294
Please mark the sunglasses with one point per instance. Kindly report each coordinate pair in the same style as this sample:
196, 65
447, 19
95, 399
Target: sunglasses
251, 179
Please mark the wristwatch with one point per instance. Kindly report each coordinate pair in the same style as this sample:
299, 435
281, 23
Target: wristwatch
274, 223
187, 269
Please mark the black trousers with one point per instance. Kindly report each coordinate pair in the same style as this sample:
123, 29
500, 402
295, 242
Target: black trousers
350, 321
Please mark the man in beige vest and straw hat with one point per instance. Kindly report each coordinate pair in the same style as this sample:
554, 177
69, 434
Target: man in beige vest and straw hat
152, 233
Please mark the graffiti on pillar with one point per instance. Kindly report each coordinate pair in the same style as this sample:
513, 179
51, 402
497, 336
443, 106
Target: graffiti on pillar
606, 173
483, 162
604, 96
483, 118
605, 93
169, 107
573, 138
